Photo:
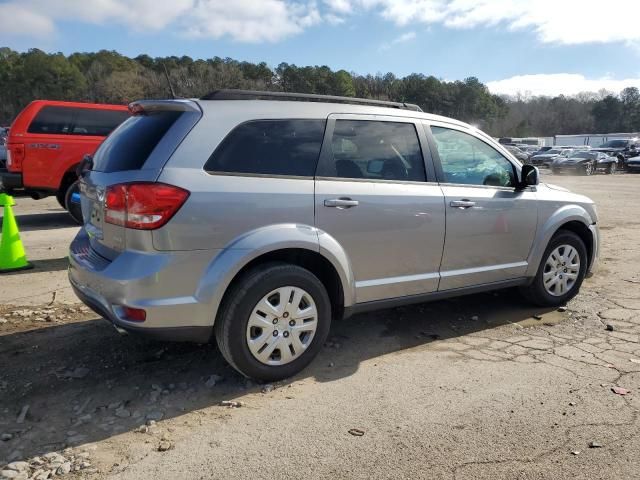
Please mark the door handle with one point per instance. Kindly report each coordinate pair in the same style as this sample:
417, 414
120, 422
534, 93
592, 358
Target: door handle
462, 204
341, 203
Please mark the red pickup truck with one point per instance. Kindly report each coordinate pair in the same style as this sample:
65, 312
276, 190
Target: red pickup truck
47, 141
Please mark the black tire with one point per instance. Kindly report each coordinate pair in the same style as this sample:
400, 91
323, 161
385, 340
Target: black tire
61, 196
72, 203
611, 169
231, 324
536, 293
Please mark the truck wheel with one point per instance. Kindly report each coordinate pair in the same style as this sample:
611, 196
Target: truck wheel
273, 321
72, 202
561, 271
61, 197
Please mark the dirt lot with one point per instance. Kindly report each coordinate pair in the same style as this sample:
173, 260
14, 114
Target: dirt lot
467, 388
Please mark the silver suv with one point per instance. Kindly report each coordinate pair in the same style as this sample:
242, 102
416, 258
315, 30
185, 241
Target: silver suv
258, 217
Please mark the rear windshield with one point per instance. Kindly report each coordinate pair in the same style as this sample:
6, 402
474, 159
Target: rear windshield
76, 121
132, 143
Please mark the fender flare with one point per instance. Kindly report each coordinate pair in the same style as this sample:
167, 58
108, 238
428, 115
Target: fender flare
239, 252
562, 216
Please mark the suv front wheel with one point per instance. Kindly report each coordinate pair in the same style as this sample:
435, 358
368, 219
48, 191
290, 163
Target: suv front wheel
273, 321
561, 271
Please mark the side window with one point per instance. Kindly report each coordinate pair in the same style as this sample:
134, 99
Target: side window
52, 121
468, 160
76, 121
276, 147
101, 123
375, 150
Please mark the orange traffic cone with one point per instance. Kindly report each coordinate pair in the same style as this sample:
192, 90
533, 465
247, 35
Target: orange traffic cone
12, 256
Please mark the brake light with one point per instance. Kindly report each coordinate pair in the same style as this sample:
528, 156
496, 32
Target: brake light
142, 206
15, 157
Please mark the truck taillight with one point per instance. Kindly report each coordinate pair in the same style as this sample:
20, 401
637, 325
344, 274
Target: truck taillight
15, 157
142, 206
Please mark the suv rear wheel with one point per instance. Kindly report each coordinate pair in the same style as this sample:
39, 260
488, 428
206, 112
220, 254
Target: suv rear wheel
273, 321
72, 202
561, 271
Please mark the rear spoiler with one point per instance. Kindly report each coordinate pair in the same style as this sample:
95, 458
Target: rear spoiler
141, 107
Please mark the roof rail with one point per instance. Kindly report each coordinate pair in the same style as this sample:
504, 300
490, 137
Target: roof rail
229, 94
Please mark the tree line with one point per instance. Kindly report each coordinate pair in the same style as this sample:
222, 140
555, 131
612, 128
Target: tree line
108, 77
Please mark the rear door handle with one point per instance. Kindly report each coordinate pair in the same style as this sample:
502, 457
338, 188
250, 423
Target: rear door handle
462, 204
341, 203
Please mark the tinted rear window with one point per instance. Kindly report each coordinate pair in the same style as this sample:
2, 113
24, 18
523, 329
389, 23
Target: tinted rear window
132, 143
76, 121
273, 147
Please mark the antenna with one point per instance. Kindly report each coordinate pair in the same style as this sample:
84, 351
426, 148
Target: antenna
166, 74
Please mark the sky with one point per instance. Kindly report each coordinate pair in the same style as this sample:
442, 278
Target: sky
526, 47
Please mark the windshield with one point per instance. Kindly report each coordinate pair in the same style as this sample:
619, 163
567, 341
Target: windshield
582, 155
553, 151
615, 144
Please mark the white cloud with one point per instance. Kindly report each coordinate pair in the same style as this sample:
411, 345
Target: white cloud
552, 21
250, 20
558, 83
240, 20
404, 38
563, 21
21, 21
339, 6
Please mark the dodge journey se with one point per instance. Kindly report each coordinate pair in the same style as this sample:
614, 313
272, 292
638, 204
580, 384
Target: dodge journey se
256, 218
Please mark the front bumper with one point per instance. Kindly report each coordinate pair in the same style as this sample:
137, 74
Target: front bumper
158, 282
633, 166
10, 180
570, 166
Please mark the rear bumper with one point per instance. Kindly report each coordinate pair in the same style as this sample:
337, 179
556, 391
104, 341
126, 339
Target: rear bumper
10, 180
169, 334
162, 284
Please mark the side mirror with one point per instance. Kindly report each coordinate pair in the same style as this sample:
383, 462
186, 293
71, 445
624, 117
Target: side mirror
529, 176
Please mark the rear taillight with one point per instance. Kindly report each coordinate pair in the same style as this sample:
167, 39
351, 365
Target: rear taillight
142, 206
15, 157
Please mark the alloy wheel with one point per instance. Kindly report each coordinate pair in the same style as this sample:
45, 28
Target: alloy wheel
561, 270
588, 168
282, 325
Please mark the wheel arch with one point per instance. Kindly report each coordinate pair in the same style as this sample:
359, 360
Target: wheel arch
68, 178
300, 245
571, 217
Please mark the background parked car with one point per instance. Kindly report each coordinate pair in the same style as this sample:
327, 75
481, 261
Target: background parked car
540, 151
633, 164
48, 140
585, 162
519, 154
546, 159
622, 149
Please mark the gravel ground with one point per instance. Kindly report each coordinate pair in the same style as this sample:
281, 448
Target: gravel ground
476, 387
